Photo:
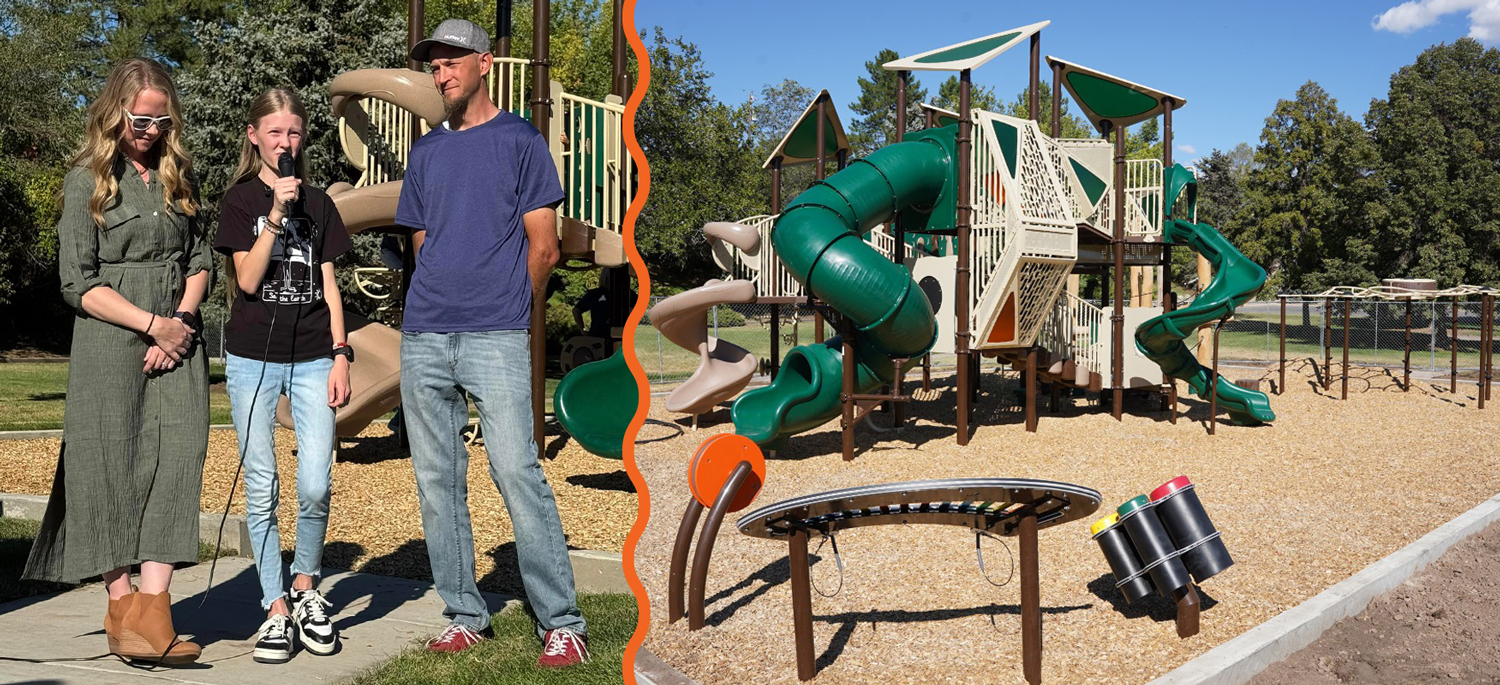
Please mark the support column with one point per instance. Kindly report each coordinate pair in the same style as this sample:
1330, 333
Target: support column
1117, 318
415, 26
503, 32
1031, 601
1453, 348
1345, 368
899, 255
1031, 384
1034, 85
1281, 389
1406, 363
541, 115
802, 627
818, 173
617, 54
1213, 381
962, 226
1168, 302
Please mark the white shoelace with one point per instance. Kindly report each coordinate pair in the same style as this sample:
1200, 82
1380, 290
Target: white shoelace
313, 606
453, 630
275, 627
557, 643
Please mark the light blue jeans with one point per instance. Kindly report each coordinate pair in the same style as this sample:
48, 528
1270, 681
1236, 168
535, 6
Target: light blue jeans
494, 368
254, 388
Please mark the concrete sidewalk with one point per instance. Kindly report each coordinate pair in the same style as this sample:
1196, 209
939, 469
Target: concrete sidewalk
377, 616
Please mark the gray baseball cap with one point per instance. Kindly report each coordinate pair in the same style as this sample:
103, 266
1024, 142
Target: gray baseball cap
456, 32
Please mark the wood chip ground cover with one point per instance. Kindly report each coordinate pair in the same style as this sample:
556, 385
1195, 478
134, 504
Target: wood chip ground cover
1329, 488
375, 522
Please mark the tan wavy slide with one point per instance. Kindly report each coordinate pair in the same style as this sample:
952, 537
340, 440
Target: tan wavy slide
724, 369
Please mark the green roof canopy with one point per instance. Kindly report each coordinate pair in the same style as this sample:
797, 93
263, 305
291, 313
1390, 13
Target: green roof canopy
800, 145
970, 54
1111, 98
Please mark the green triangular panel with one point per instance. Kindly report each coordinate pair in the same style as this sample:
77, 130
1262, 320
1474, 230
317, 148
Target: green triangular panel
803, 143
1093, 186
1109, 100
974, 49
1007, 135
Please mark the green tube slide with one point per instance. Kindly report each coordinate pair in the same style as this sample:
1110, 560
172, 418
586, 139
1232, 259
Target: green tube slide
1236, 280
598, 426
819, 239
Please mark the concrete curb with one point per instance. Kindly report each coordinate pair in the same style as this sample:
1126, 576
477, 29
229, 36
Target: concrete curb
1241, 658
593, 571
651, 670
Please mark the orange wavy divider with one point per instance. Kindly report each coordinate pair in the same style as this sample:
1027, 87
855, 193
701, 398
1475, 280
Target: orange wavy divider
643, 290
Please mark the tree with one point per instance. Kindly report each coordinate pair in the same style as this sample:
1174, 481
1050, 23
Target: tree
313, 42
1438, 136
1073, 126
1305, 214
771, 116
702, 165
980, 97
874, 122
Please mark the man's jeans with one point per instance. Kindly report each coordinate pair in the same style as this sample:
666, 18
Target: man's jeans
494, 368
253, 391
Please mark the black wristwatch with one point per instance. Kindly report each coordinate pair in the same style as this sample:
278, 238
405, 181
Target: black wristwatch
343, 350
188, 319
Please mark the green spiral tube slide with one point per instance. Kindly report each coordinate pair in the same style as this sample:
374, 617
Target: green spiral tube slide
819, 239
1236, 280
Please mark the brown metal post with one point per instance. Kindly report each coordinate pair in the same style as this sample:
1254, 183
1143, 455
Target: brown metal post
503, 32
541, 115
818, 173
617, 54
846, 396
1167, 302
802, 628
1281, 389
899, 255
1031, 389
1486, 342
1117, 318
698, 579
775, 339
1057, 101
1453, 348
1406, 364
1213, 383
1345, 370
961, 224
1035, 84
1188, 611
677, 571
415, 26
1031, 601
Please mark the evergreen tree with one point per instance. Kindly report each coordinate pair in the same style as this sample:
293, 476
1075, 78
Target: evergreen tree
874, 124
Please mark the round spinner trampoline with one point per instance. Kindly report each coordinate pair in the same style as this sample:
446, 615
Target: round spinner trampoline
992, 505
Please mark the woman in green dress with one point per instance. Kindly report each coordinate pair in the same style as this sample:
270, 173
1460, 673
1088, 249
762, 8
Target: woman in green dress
135, 264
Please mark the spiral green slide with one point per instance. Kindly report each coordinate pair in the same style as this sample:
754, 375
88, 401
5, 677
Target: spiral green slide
595, 403
819, 239
1236, 280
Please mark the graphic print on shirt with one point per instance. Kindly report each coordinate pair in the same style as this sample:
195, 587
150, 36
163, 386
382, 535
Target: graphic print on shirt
292, 277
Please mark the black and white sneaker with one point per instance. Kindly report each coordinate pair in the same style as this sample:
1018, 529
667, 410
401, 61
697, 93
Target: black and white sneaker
275, 643
310, 610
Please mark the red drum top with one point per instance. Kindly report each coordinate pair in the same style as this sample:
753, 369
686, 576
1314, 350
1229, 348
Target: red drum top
1169, 487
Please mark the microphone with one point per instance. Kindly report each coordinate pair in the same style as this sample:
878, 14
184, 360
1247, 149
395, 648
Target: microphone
286, 165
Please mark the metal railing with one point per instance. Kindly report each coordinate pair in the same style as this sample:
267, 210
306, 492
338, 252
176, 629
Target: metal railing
1075, 330
389, 139
509, 78
597, 171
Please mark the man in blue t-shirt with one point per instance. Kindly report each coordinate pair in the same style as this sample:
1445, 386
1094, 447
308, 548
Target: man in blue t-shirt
480, 197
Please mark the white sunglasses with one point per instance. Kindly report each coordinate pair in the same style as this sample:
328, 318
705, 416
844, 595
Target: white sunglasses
143, 123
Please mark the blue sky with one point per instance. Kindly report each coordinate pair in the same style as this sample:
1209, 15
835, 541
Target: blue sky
1231, 62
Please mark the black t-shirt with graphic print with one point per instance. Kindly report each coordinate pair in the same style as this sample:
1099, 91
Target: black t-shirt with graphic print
292, 289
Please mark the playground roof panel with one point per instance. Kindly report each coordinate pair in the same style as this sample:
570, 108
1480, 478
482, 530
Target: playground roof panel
943, 117
1110, 98
970, 54
800, 144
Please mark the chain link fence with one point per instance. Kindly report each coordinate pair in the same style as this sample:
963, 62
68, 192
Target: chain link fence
1377, 335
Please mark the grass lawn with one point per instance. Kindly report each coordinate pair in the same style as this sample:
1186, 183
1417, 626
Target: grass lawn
510, 658
32, 395
15, 546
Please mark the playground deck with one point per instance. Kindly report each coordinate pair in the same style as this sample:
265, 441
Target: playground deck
1303, 504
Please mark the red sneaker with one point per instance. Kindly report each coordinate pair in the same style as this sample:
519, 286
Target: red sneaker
455, 638
564, 648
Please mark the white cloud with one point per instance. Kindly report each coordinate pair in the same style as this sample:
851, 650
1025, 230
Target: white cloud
1187, 149
1484, 17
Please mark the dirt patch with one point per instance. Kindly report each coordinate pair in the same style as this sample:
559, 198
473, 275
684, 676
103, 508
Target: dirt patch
1437, 627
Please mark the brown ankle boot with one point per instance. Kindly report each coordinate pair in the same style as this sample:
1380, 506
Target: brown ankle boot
146, 632
114, 617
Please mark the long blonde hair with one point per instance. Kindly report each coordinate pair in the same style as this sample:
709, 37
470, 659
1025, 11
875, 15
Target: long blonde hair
268, 103
106, 129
